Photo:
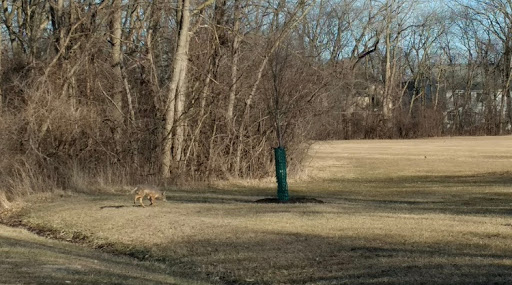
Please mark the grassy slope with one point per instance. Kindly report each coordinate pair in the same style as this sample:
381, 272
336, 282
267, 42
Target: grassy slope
402, 212
30, 259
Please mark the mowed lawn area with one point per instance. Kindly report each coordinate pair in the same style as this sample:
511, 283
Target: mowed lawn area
427, 211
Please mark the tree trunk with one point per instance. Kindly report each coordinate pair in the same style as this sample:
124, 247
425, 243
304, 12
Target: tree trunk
386, 110
9, 13
176, 87
116, 66
57, 24
1, 74
235, 52
506, 87
179, 108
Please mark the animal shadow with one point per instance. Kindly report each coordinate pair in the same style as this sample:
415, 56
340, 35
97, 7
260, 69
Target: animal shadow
113, 206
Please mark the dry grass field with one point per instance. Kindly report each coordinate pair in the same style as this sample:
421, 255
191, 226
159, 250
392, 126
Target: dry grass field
429, 211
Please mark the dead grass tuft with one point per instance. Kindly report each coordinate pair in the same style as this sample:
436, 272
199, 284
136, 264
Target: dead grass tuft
4, 202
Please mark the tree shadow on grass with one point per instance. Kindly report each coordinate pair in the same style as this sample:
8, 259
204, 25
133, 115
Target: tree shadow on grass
464, 205
35, 260
482, 194
292, 258
210, 198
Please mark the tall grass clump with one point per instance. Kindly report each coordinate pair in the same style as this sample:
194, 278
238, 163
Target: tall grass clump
54, 138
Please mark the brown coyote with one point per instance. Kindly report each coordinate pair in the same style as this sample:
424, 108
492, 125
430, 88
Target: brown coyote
152, 194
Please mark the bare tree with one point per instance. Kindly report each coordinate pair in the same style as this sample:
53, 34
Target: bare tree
174, 106
117, 113
177, 90
296, 16
496, 17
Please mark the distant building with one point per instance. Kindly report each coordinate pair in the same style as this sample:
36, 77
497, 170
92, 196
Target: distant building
421, 92
473, 102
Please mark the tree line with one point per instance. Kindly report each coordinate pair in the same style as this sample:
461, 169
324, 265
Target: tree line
122, 91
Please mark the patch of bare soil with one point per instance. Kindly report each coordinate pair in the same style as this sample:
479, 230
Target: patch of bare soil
294, 200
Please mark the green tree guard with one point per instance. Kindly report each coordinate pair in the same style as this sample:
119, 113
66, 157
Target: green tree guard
282, 184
